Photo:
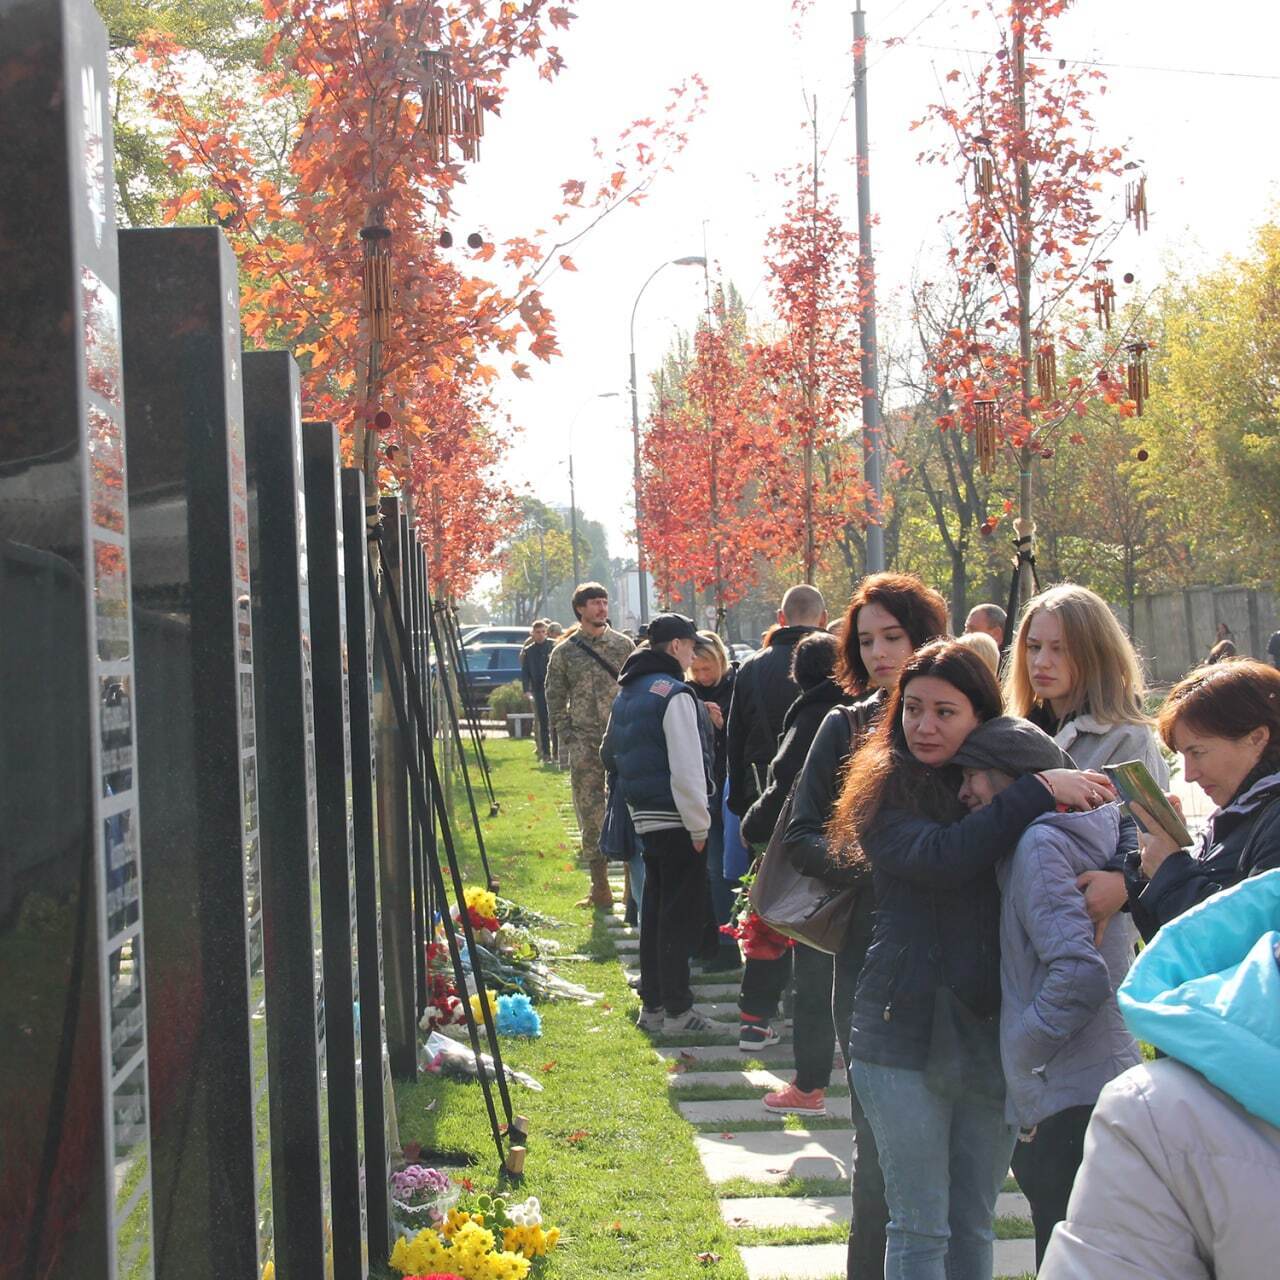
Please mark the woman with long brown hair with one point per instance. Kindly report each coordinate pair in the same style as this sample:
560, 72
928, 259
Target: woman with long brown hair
889, 617
924, 1038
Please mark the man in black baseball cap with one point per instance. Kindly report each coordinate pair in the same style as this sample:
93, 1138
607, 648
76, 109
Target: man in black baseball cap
660, 744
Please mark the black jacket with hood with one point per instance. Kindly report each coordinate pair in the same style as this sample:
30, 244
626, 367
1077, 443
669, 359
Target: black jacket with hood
799, 726
762, 693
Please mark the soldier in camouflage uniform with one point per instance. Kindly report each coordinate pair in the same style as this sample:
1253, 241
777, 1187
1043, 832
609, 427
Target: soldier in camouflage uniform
580, 691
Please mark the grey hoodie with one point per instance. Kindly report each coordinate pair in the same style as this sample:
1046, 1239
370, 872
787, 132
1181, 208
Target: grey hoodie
1061, 1034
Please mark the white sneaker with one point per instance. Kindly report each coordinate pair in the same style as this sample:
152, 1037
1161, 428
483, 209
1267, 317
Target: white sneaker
651, 1020
691, 1020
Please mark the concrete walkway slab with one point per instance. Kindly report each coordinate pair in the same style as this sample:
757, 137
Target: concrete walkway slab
751, 1079
722, 1040
795, 1261
774, 1155
1013, 1204
785, 1211
730, 1111
827, 1261
1015, 1258
716, 1010
775, 1054
778, 1212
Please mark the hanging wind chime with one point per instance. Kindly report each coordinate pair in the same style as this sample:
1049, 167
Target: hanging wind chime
1138, 373
985, 415
1046, 371
984, 176
1135, 203
378, 293
1104, 294
451, 111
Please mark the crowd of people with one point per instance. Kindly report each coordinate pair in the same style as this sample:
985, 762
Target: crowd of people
1011, 936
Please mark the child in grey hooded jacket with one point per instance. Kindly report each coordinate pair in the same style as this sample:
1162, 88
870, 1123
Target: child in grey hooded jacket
1062, 1038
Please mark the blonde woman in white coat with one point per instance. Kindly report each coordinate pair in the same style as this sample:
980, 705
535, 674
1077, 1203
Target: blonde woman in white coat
1074, 673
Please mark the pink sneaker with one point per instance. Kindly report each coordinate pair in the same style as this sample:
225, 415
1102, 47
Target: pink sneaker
793, 1101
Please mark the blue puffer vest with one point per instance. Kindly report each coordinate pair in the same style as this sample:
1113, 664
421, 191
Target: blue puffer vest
635, 745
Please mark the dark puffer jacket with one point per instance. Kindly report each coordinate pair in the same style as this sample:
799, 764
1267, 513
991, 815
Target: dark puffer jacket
937, 911
799, 726
1241, 839
762, 693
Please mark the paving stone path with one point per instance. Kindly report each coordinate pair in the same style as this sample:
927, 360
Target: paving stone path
739, 1141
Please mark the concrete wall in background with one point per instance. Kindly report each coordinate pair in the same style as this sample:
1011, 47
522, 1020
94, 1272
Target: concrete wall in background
1174, 630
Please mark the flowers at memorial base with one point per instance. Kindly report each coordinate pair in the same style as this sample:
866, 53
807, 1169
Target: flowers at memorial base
518, 1017
416, 1184
759, 942
457, 1219
466, 1243
526, 1235
421, 1197
477, 1009
443, 1009
482, 909
471, 1254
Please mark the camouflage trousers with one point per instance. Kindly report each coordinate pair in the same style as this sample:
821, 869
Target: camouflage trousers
586, 777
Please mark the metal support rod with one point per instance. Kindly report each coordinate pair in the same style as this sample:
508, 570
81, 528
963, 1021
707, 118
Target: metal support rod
872, 436
458, 658
420, 802
419, 712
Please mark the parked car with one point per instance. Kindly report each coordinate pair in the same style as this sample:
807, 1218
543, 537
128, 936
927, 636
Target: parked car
739, 651
488, 666
472, 636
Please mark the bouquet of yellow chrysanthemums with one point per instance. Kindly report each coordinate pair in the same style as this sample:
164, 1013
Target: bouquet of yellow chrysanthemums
464, 1246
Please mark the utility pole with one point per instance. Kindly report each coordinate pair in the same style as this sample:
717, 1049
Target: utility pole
573, 526
872, 441
1025, 525
712, 442
809, 555
542, 551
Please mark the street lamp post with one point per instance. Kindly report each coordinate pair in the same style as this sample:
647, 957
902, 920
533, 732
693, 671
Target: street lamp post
691, 261
573, 497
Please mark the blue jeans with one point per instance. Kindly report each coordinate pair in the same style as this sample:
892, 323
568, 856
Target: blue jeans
944, 1164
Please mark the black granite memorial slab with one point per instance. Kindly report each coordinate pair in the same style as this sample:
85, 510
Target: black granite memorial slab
330, 665
379, 1099
75, 1167
198, 774
287, 792
395, 863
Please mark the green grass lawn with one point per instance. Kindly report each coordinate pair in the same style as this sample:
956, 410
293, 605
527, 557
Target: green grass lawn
609, 1156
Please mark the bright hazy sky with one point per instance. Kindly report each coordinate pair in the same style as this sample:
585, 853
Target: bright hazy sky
1207, 141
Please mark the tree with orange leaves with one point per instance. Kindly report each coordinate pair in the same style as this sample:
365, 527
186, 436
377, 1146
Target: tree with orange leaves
340, 244
1031, 245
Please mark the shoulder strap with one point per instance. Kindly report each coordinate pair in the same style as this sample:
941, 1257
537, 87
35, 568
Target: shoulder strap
858, 717
594, 656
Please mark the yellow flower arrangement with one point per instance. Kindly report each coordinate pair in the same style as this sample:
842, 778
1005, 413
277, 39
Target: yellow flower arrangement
491, 999
482, 901
471, 1253
531, 1242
